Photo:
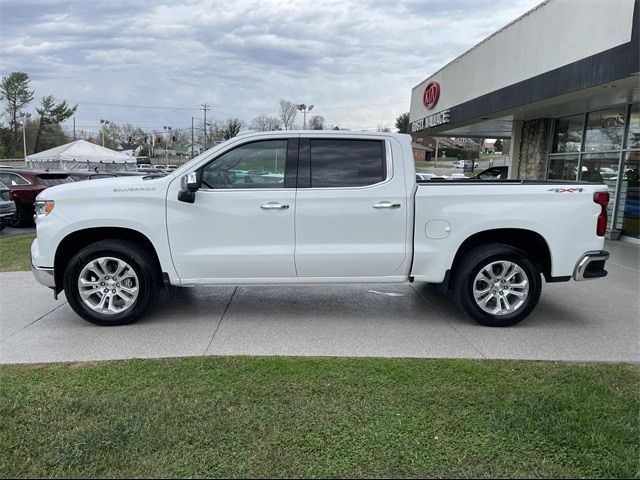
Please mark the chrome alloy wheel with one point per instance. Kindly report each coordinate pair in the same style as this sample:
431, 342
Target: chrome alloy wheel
501, 287
108, 285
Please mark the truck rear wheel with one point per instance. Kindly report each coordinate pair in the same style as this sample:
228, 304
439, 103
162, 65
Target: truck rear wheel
111, 282
497, 285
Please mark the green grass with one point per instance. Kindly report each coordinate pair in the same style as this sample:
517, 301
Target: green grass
15, 253
291, 417
439, 164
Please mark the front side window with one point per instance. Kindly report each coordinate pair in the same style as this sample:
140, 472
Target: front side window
347, 163
254, 165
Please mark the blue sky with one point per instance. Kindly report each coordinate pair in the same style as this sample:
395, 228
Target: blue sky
152, 63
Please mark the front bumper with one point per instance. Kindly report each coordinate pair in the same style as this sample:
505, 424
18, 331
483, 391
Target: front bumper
44, 276
591, 266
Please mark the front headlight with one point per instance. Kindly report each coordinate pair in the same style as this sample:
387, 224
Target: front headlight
44, 207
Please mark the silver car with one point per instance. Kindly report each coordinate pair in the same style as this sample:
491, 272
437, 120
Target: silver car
7, 206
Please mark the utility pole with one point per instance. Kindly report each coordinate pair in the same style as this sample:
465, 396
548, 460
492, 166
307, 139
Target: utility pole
166, 144
25, 116
192, 136
304, 109
103, 124
74, 129
205, 107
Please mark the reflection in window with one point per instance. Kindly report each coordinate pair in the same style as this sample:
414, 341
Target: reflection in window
347, 163
255, 165
601, 168
633, 137
605, 130
567, 135
563, 167
628, 219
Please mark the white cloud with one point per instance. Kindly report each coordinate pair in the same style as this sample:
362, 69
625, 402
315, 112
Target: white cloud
355, 61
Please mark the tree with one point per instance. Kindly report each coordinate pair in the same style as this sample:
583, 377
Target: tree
498, 145
263, 123
51, 116
231, 127
287, 113
128, 133
14, 90
316, 122
402, 123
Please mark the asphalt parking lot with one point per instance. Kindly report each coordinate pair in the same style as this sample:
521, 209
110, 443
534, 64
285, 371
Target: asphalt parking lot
575, 321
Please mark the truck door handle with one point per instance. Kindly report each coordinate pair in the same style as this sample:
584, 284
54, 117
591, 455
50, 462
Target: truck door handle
386, 205
274, 206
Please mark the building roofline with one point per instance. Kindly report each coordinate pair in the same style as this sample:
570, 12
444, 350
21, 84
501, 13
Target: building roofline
456, 59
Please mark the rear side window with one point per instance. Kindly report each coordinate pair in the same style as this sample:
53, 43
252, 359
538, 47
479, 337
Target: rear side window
347, 163
51, 179
12, 179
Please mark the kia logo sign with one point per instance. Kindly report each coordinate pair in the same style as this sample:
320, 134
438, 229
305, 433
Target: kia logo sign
431, 95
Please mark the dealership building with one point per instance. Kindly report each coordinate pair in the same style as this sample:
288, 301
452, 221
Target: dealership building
563, 83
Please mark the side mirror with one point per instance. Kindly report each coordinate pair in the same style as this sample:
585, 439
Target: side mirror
189, 185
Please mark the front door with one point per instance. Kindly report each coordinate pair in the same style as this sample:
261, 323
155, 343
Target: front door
241, 224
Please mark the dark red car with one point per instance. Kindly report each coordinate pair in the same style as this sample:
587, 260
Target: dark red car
25, 185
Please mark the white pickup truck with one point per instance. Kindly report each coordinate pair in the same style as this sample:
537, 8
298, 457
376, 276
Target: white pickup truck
314, 208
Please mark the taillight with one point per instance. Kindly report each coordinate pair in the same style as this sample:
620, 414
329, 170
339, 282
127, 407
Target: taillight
602, 199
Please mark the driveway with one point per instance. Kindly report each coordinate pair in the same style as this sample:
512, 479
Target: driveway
586, 321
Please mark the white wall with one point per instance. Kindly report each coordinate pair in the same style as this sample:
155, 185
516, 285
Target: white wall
552, 35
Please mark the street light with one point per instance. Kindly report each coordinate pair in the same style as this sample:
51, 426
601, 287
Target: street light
167, 129
103, 124
304, 109
25, 116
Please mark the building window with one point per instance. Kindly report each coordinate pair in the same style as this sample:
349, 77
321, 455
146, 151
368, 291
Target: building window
602, 147
567, 136
605, 130
563, 167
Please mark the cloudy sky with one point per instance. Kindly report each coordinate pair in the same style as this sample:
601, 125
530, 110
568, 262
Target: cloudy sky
152, 63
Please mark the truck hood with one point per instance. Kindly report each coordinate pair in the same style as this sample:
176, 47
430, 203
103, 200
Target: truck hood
106, 187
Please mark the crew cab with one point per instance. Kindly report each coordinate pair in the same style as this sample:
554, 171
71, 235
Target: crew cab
315, 208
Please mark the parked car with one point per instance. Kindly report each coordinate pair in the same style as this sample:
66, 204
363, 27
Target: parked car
25, 185
113, 245
466, 165
7, 206
81, 175
493, 173
171, 167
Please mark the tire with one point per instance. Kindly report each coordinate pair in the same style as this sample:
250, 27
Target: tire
504, 279
22, 218
98, 265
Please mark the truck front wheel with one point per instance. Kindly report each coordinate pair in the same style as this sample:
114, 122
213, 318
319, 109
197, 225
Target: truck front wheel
497, 285
111, 282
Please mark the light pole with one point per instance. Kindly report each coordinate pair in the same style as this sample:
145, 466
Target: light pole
103, 125
25, 116
167, 130
304, 109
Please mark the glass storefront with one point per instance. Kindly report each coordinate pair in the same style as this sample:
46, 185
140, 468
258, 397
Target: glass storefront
602, 147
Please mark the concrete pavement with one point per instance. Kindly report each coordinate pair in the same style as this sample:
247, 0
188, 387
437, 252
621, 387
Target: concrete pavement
586, 321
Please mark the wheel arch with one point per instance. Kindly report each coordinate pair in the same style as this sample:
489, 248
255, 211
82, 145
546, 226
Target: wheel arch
528, 241
81, 238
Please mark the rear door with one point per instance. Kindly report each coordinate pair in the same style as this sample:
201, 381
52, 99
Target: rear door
351, 208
